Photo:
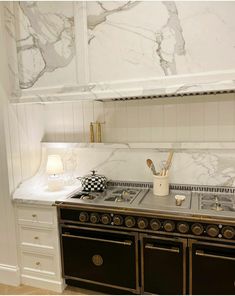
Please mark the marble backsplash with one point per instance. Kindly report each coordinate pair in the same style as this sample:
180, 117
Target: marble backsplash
198, 165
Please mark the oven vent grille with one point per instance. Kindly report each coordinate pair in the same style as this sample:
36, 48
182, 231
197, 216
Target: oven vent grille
203, 188
185, 187
131, 184
169, 95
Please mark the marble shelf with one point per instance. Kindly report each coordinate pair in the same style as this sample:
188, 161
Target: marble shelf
148, 145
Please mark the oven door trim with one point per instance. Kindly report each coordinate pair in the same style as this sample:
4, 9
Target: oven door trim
162, 238
202, 243
135, 236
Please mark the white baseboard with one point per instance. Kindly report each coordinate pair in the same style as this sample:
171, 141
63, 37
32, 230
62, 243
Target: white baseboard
9, 275
57, 286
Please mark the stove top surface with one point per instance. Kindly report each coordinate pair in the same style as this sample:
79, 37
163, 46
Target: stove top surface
138, 197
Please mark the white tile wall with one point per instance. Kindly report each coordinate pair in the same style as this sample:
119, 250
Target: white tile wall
195, 118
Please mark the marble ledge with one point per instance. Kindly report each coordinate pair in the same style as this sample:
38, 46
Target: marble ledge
181, 85
155, 145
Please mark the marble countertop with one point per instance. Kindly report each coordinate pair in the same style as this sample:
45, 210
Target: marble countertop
37, 192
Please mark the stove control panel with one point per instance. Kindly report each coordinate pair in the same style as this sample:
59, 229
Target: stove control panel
150, 224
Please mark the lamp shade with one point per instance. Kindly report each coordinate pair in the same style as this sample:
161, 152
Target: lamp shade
54, 165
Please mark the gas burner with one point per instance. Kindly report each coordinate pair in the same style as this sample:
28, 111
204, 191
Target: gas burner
216, 197
125, 191
217, 202
119, 198
86, 195
217, 207
121, 195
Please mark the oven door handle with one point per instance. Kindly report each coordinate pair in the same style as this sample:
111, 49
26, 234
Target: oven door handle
203, 254
172, 249
125, 243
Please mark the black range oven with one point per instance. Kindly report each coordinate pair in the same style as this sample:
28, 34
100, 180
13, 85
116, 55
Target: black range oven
125, 250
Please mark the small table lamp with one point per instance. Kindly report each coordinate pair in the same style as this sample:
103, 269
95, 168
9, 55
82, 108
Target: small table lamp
54, 170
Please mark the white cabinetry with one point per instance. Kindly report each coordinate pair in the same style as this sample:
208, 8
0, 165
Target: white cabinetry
39, 249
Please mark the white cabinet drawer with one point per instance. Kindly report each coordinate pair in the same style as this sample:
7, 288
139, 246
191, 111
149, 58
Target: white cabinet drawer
35, 263
36, 215
30, 236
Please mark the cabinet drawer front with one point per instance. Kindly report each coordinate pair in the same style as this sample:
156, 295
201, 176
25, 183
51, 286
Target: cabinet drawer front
37, 237
34, 263
36, 215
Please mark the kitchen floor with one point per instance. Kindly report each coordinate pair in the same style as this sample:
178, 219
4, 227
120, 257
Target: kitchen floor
27, 290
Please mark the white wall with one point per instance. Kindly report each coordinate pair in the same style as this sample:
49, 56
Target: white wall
21, 129
198, 118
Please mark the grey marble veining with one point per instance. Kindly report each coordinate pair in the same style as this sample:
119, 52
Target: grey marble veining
93, 20
46, 45
193, 163
148, 49
170, 40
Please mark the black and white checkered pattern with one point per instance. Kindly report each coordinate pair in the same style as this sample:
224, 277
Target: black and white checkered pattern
94, 183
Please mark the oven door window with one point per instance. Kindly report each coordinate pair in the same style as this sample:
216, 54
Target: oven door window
100, 257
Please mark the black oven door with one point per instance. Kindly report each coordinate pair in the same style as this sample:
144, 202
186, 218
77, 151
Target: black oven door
212, 268
163, 265
100, 257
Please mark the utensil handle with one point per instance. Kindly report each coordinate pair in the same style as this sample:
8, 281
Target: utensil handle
153, 169
169, 159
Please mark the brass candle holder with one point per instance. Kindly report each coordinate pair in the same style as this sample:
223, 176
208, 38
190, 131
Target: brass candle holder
98, 133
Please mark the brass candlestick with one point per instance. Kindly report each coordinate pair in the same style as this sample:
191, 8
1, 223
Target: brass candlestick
98, 132
91, 133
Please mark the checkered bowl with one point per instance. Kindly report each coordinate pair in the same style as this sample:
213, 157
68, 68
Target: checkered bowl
93, 182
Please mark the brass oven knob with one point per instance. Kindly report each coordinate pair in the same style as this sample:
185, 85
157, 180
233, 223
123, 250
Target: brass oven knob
155, 224
94, 218
105, 219
142, 223
117, 220
228, 232
197, 229
169, 225
212, 230
83, 217
183, 227
130, 221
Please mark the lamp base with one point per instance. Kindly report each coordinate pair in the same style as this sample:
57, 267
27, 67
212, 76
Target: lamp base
55, 183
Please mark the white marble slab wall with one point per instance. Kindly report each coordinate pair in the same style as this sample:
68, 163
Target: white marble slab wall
139, 39
50, 56
191, 166
66, 50
198, 118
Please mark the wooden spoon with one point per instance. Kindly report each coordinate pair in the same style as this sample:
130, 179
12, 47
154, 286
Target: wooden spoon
151, 166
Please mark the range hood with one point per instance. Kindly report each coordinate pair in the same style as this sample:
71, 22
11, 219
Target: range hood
151, 88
